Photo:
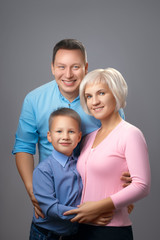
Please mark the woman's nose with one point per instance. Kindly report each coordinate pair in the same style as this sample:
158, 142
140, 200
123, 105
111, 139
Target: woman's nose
95, 100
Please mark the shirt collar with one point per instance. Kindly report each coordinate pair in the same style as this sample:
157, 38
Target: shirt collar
61, 158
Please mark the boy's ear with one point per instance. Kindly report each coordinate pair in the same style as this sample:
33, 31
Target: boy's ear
49, 136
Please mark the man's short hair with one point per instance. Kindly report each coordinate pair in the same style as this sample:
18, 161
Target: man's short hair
65, 112
69, 44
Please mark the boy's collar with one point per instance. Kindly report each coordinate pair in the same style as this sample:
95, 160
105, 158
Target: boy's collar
61, 158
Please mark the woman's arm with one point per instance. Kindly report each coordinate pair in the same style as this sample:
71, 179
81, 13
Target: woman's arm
92, 212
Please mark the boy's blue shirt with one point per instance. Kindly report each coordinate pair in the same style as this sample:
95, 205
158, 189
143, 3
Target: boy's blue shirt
57, 186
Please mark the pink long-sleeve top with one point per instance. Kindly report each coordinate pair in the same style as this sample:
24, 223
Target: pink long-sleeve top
101, 168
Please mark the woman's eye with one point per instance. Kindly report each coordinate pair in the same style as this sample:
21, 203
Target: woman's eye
101, 93
88, 97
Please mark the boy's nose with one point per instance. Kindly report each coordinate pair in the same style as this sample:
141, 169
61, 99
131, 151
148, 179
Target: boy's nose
65, 135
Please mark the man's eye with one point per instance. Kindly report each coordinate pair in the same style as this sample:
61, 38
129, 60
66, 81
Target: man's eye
61, 67
76, 67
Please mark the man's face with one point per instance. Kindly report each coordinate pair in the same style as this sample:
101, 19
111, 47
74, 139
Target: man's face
69, 69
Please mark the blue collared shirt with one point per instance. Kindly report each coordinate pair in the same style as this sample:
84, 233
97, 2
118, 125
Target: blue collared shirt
33, 121
57, 186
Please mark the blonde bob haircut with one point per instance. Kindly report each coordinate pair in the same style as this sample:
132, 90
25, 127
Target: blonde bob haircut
113, 79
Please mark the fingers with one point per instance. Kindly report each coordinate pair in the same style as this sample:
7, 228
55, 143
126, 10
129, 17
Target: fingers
130, 208
71, 212
102, 221
37, 209
38, 213
126, 178
126, 174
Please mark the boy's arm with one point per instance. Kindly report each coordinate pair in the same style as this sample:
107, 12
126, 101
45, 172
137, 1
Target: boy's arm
25, 166
44, 191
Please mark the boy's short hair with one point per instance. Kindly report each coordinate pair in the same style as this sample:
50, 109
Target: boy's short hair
113, 79
65, 112
69, 44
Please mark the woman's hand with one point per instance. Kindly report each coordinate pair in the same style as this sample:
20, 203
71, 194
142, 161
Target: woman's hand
93, 212
104, 219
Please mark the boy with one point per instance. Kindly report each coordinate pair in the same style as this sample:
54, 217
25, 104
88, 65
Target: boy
56, 183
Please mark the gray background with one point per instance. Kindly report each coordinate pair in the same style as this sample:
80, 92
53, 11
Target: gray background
120, 34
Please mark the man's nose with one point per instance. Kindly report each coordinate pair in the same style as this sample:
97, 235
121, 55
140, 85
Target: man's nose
68, 73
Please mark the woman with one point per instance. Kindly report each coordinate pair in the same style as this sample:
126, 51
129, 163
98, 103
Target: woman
116, 147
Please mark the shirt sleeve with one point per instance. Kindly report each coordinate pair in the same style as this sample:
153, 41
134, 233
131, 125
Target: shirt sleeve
137, 158
44, 191
121, 113
26, 136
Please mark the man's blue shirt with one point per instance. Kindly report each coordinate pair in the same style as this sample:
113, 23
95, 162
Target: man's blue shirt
57, 186
33, 121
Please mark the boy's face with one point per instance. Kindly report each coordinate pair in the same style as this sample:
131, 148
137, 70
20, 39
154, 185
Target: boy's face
69, 69
64, 134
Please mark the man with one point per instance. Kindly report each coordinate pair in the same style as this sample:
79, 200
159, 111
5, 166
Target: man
69, 66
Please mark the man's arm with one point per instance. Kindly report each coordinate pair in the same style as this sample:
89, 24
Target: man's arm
25, 166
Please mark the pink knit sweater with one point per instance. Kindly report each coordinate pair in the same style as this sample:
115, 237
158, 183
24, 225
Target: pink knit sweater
124, 149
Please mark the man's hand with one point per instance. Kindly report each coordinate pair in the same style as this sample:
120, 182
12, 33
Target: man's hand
37, 209
25, 166
130, 208
126, 178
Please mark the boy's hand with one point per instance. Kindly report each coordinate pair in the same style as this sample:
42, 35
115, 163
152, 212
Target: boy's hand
126, 178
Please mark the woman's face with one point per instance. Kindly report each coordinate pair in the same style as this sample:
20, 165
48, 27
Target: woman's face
100, 100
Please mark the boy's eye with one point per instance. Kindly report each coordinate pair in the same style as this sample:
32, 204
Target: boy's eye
58, 131
71, 131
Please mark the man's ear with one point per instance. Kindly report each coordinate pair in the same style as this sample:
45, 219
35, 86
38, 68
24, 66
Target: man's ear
86, 68
49, 136
52, 68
